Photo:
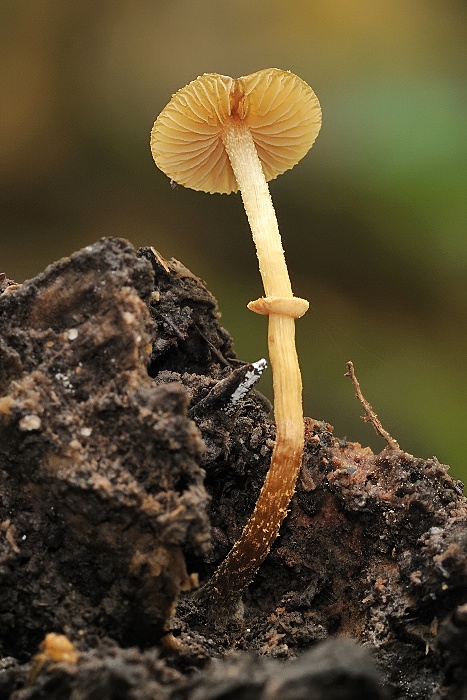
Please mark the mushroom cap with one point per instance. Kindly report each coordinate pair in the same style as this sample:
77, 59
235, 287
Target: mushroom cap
281, 111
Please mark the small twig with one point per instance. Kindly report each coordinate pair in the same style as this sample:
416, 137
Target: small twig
228, 392
217, 353
180, 334
370, 416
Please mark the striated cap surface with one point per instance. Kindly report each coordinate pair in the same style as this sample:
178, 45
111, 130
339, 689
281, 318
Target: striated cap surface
281, 111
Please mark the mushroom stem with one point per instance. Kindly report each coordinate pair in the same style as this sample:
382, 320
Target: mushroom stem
249, 551
247, 554
241, 150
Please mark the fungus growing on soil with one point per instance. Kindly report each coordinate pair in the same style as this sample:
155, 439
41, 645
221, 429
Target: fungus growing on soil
220, 134
56, 648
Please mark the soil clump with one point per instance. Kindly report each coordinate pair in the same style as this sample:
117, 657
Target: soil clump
127, 471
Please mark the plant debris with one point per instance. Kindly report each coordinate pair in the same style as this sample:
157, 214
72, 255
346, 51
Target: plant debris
370, 416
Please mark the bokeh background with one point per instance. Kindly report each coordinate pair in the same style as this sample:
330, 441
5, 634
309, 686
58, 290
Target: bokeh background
373, 219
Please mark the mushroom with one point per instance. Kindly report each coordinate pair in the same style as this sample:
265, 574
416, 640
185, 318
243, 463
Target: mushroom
220, 134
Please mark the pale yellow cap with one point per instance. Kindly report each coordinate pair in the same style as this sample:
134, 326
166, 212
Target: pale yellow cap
281, 111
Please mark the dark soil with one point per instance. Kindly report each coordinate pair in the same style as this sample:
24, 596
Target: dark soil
126, 473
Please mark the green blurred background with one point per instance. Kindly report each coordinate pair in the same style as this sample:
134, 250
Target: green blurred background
373, 219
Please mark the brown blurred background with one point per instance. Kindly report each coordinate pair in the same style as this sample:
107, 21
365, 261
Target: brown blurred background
373, 219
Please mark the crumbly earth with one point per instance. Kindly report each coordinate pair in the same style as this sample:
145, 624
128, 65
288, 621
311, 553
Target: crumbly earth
126, 473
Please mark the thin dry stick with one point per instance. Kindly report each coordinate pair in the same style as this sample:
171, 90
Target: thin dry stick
370, 416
